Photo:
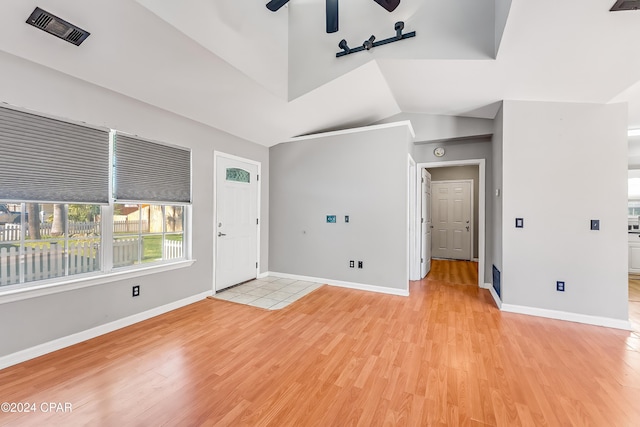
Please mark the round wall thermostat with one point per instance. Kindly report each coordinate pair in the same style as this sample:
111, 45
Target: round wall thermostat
439, 152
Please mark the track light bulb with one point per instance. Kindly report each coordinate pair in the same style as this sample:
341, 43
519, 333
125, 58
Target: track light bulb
368, 44
343, 45
399, 27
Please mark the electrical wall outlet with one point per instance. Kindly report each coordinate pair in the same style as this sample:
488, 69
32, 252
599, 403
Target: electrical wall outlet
519, 222
560, 286
352, 264
135, 291
595, 224
360, 264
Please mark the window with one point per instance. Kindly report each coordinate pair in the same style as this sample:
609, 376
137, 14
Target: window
53, 208
144, 233
146, 171
238, 175
46, 241
152, 184
48, 160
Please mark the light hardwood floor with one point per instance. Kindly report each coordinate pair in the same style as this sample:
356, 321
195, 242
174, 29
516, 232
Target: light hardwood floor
444, 356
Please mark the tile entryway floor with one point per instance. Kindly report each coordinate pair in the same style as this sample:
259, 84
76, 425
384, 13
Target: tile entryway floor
270, 292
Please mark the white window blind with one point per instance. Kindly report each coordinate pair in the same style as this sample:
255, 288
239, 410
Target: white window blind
43, 159
147, 171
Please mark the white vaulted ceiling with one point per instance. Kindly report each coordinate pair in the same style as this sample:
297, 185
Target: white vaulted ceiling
267, 77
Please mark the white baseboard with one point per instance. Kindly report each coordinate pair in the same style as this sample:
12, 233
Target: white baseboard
494, 294
343, 284
262, 275
57, 344
571, 317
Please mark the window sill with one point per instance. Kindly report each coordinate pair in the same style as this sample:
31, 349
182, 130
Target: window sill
69, 284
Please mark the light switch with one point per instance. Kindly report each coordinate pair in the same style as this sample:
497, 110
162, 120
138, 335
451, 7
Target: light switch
519, 222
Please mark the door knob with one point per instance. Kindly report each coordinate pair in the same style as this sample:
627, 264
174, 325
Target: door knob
220, 234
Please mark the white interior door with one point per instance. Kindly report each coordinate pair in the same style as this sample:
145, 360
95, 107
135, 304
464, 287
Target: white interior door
425, 223
452, 210
236, 224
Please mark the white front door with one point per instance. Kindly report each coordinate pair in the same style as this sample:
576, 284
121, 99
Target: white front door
236, 221
452, 220
425, 223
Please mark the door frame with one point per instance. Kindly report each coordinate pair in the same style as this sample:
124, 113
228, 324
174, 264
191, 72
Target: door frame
414, 238
481, 206
216, 155
427, 223
471, 194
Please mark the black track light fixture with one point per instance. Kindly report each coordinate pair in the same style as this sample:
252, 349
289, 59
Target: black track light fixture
370, 43
399, 27
344, 46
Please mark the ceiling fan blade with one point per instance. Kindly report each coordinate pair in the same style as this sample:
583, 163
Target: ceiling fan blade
274, 5
332, 16
389, 5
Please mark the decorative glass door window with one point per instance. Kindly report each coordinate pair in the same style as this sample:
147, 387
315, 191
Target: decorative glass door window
238, 175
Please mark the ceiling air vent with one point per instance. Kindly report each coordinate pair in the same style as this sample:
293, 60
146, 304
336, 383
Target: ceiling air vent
625, 5
56, 26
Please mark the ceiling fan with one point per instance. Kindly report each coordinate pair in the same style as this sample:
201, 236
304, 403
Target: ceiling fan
332, 10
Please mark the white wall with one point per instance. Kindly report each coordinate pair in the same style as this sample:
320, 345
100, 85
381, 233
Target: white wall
362, 174
253, 39
563, 165
39, 320
502, 13
438, 128
496, 193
